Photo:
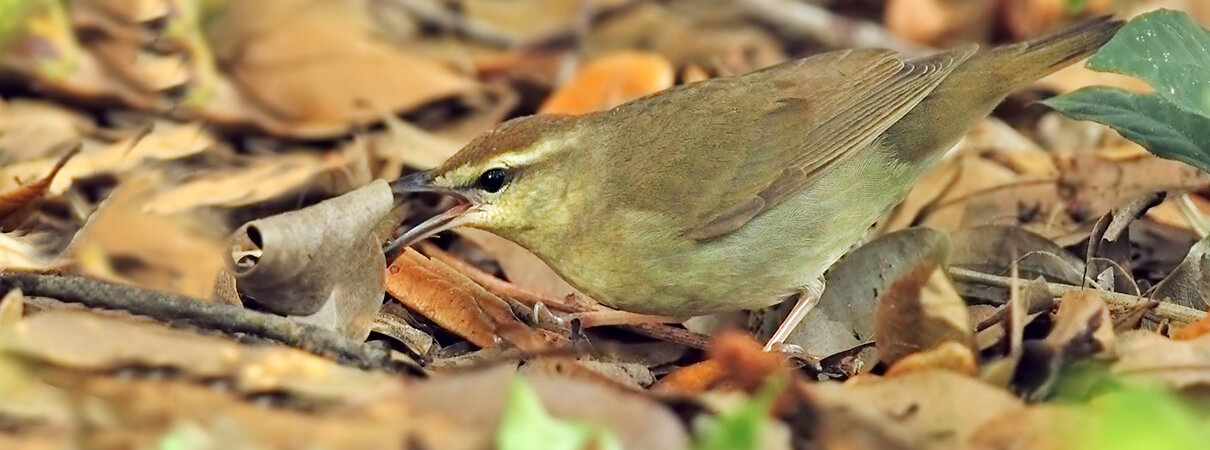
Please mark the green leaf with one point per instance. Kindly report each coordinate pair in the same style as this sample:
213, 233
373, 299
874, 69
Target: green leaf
526, 425
1170, 51
1139, 417
742, 428
1165, 129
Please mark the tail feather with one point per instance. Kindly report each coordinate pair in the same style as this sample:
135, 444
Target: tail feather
1047, 54
974, 88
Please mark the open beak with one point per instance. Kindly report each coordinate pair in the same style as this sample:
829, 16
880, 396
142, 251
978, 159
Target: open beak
419, 182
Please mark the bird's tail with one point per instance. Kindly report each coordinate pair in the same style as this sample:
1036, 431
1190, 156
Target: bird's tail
974, 88
1014, 66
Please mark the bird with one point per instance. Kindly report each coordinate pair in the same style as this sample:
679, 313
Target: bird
737, 192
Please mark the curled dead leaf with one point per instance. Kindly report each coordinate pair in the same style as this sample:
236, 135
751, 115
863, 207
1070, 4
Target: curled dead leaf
323, 262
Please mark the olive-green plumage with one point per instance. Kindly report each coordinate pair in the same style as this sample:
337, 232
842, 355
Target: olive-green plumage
735, 192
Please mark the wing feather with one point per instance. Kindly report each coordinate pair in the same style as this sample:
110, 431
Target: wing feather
848, 118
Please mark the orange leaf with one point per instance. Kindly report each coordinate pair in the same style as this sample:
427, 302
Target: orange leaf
453, 301
691, 379
1193, 330
611, 80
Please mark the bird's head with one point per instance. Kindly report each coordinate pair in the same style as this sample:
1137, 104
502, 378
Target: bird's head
507, 181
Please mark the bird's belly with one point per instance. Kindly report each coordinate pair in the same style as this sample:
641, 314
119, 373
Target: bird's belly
776, 254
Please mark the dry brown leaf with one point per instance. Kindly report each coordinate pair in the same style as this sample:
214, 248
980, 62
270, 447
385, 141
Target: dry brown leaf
15, 253
975, 174
407, 145
845, 316
949, 355
145, 71
1083, 326
17, 200
531, 19
457, 304
87, 341
685, 37
12, 308
1002, 143
1144, 355
31, 129
919, 311
1063, 208
278, 51
609, 80
166, 141
939, 408
143, 380
940, 23
1029, 18
261, 179
462, 411
175, 253
1168, 213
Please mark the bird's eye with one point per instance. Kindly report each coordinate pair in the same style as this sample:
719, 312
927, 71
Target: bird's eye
493, 180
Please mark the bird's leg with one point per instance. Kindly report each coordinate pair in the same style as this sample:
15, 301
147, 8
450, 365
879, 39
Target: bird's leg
807, 299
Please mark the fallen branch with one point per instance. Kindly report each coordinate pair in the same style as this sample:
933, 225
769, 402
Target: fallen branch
1179, 314
174, 308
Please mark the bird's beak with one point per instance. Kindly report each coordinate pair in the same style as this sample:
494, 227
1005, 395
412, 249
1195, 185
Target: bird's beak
420, 182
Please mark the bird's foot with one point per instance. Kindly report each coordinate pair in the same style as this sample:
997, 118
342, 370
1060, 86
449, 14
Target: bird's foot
807, 299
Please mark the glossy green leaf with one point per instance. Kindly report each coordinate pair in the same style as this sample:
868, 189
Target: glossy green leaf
1170, 51
1156, 124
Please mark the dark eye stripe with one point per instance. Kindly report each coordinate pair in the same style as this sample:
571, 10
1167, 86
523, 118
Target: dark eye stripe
493, 180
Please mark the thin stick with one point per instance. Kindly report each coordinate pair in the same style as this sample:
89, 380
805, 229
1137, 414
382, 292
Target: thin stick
530, 298
1164, 310
174, 308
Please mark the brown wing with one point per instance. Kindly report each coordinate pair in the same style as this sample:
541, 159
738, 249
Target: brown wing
853, 97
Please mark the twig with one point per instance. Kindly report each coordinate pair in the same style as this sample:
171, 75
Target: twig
1163, 310
176, 308
825, 27
530, 298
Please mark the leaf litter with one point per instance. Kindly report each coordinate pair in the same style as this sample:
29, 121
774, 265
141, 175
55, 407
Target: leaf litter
191, 226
